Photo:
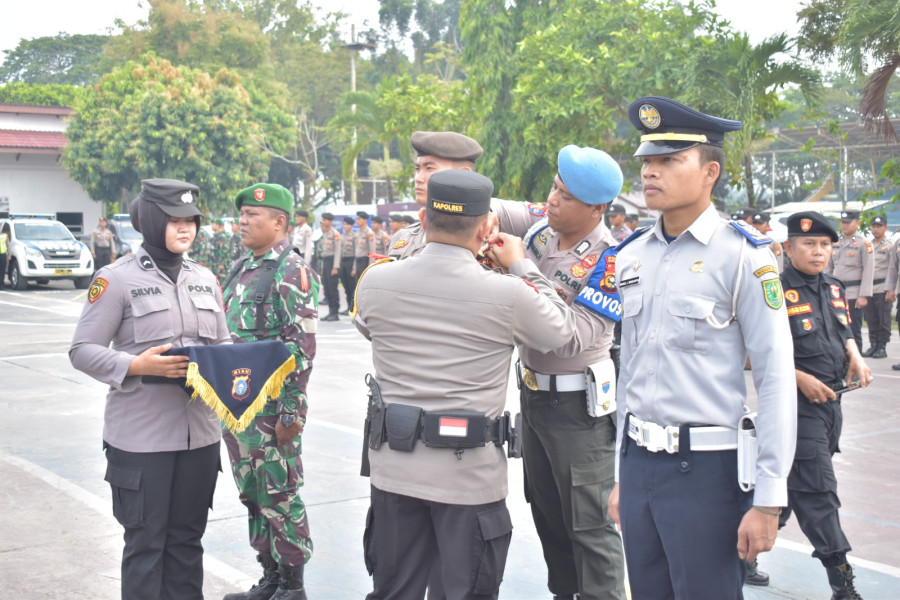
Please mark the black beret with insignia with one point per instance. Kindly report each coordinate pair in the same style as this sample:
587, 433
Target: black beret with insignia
327, 216
446, 144
460, 192
809, 224
302, 213
408, 219
396, 218
362, 214
668, 126
348, 220
175, 198
377, 219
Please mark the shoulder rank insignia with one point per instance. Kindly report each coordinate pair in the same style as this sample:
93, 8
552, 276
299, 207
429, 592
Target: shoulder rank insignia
752, 235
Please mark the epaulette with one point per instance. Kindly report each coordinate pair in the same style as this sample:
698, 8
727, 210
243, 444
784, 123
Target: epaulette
534, 231
752, 235
634, 235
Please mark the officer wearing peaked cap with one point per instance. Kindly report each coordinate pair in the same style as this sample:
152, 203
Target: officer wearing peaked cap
568, 444
853, 262
162, 449
878, 310
348, 262
435, 151
824, 351
617, 227
690, 285
328, 250
439, 481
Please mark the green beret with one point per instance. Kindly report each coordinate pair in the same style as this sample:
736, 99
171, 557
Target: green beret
266, 194
446, 144
460, 192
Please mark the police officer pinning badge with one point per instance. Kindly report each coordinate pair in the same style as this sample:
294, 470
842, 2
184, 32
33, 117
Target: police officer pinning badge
792, 296
97, 289
259, 194
650, 116
187, 198
772, 291
697, 267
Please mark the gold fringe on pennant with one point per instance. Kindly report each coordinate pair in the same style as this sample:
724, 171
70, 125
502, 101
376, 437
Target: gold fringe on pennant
272, 389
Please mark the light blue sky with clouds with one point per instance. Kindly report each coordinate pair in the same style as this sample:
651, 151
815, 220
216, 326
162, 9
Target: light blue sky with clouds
38, 18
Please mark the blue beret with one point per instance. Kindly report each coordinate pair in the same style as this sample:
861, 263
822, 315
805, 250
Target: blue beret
668, 126
591, 175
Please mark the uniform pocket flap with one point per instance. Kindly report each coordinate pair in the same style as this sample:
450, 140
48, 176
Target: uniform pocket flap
690, 307
590, 473
495, 523
205, 302
129, 479
632, 304
806, 449
149, 304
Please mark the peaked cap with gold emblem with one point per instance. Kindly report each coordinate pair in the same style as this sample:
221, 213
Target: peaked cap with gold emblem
668, 126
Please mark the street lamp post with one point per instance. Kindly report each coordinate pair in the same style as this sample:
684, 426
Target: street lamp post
354, 47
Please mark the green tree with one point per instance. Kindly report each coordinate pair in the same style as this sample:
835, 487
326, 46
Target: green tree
735, 79
61, 59
153, 119
39, 94
859, 33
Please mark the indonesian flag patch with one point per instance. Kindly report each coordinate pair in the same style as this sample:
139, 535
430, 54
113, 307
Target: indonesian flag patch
453, 427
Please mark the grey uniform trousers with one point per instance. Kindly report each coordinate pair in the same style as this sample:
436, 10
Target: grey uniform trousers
569, 461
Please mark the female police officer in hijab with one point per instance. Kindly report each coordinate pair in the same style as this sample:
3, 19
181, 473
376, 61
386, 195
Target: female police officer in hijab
162, 449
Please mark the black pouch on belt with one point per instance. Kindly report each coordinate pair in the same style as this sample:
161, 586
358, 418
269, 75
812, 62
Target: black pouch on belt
402, 425
454, 429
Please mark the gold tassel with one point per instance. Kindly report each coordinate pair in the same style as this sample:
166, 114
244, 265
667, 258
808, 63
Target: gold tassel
272, 389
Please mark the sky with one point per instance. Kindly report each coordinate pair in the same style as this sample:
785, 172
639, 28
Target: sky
39, 18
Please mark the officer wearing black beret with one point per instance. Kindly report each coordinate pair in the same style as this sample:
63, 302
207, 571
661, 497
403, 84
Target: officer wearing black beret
686, 285
761, 220
446, 485
826, 359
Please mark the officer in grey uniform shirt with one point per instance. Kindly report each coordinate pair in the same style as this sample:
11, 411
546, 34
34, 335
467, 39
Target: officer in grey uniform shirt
853, 262
439, 480
617, 227
364, 244
569, 455
892, 284
302, 238
348, 262
329, 252
435, 151
699, 294
382, 238
878, 309
162, 449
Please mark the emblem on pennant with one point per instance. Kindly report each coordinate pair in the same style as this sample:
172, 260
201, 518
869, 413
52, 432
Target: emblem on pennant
240, 386
259, 194
805, 225
772, 291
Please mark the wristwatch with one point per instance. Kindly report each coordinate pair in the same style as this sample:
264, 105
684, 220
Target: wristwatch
288, 420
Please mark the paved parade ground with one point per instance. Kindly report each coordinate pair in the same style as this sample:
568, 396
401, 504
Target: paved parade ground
58, 538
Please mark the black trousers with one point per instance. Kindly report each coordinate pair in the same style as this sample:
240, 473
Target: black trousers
405, 535
569, 461
856, 318
680, 515
878, 318
2, 269
162, 499
812, 484
348, 263
330, 282
103, 257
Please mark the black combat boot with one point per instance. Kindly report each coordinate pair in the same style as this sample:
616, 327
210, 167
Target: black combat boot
841, 579
267, 586
880, 351
872, 349
291, 586
754, 576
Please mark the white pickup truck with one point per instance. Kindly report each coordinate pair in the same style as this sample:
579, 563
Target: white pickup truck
41, 248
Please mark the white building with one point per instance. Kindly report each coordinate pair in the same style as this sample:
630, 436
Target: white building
32, 178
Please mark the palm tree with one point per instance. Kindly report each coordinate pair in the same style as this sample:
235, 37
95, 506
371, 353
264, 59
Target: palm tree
360, 111
737, 80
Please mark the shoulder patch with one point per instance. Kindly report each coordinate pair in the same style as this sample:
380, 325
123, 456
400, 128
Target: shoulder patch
400, 244
868, 247
773, 294
752, 235
538, 209
97, 288
765, 269
600, 294
533, 233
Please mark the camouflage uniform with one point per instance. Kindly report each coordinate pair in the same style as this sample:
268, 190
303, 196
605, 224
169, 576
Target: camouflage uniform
236, 247
200, 248
220, 256
269, 476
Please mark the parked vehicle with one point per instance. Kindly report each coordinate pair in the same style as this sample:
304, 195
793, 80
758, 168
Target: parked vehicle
41, 248
128, 239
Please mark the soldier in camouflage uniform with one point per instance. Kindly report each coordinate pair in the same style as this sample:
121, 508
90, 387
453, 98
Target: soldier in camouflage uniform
265, 457
200, 247
237, 248
220, 252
